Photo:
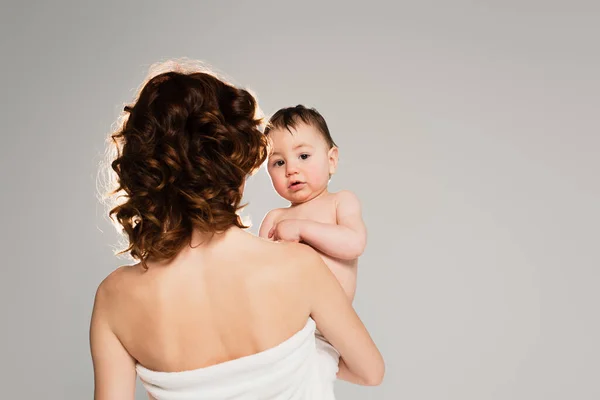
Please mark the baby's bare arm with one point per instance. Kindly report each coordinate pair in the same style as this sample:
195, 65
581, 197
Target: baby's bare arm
345, 240
267, 223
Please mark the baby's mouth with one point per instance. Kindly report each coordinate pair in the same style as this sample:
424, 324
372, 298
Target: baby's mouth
295, 184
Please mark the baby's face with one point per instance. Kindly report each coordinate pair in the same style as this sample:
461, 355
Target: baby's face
300, 163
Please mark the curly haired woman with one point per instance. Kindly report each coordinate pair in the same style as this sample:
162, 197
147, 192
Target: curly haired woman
210, 311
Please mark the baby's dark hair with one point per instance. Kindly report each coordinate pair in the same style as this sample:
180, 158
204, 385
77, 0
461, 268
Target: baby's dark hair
290, 117
181, 154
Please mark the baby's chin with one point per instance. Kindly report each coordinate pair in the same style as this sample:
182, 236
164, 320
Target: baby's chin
299, 198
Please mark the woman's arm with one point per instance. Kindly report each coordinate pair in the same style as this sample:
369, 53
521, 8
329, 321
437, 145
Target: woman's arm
114, 368
361, 361
345, 374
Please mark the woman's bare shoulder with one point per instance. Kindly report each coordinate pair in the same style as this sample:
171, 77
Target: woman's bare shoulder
116, 283
290, 258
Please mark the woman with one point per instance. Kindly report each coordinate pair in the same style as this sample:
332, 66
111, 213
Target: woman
211, 311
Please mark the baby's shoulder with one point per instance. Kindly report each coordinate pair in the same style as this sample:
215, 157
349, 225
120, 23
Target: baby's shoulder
275, 214
346, 197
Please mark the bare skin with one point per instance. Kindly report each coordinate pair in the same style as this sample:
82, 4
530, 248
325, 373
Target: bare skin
300, 165
339, 234
225, 298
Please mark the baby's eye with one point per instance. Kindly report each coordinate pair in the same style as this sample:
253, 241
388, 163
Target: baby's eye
278, 163
304, 156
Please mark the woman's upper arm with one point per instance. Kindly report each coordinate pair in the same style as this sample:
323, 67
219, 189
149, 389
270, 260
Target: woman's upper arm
339, 323
114, 368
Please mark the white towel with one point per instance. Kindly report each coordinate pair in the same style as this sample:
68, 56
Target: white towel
296, 369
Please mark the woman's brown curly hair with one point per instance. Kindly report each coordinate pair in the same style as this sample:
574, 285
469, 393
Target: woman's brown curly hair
183, 152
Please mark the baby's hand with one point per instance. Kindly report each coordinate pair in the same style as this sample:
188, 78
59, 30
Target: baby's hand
287, 230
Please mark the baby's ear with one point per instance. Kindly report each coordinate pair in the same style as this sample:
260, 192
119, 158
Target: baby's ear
333, 159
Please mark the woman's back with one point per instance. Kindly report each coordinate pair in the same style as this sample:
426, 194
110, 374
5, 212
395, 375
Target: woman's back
236, 296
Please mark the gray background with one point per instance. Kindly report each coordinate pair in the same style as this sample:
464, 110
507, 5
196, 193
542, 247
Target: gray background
469, 130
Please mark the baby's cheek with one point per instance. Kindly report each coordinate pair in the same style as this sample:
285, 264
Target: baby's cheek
279, 183
317, 172
273, 176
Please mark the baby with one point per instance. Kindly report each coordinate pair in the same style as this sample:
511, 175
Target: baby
302, 159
